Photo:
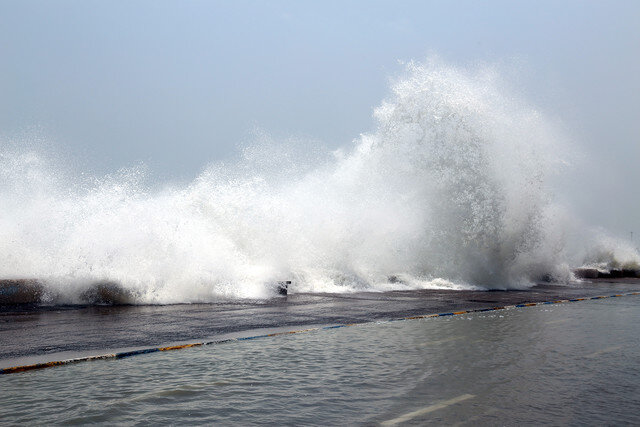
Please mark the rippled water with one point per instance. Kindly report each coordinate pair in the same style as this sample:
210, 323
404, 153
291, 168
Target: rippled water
572, 363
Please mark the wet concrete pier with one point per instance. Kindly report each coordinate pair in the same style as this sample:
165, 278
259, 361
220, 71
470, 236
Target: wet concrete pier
33, 332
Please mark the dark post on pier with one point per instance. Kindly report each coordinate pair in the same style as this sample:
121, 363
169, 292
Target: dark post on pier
283, 287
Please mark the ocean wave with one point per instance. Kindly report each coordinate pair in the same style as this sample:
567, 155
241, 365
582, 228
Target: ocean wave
450, 190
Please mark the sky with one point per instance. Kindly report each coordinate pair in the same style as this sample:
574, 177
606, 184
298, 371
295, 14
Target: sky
178, 84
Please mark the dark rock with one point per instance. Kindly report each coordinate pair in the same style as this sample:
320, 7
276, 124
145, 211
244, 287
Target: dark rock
586, 273
615, 273
20, 291
547, 278
283, 287
594, 273
107, 293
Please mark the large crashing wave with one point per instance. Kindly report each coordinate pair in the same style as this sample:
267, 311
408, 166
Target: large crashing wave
450, 190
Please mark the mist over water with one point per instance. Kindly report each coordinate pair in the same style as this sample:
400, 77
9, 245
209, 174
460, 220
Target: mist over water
451, 189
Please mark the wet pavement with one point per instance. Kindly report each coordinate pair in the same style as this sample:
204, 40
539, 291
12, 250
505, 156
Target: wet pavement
32, 334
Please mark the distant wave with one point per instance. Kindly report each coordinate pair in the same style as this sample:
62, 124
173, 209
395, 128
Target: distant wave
449, 191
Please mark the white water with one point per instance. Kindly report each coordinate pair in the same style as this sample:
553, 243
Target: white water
450, 190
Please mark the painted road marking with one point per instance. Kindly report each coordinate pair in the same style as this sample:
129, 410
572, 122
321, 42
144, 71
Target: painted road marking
426, 410
603, 351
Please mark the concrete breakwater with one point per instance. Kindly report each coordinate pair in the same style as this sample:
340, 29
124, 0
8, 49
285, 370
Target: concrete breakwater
21, 291
35, 291
594, 273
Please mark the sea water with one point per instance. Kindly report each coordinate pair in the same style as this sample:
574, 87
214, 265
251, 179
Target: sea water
573, 363
451, 189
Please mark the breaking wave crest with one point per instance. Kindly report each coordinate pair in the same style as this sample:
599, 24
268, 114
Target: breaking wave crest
450, 190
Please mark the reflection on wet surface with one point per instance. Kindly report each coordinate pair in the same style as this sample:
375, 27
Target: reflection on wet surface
35, 334
510, 367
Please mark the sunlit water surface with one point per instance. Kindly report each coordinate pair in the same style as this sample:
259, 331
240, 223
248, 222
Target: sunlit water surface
574, 363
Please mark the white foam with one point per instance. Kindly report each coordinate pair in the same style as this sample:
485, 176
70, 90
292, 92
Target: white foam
449, 191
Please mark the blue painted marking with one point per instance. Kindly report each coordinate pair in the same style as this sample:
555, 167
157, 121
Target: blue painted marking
252, 338
221, 341
445, 314
334, 327
136, 352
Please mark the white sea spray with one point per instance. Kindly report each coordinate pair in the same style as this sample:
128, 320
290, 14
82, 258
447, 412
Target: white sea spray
450, 190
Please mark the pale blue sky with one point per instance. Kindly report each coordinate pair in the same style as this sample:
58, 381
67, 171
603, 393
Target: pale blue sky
178, 84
